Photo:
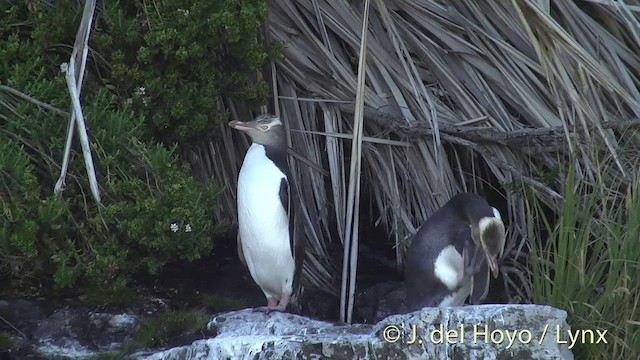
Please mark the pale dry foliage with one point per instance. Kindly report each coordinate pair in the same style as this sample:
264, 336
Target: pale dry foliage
460, 96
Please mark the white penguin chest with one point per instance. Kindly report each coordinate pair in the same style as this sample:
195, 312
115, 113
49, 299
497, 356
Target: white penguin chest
259, 206
263, 222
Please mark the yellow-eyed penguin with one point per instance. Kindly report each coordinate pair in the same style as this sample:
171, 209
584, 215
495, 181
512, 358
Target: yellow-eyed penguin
266, 244
450, 256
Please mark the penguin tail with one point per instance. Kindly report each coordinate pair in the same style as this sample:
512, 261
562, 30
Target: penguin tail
297, 299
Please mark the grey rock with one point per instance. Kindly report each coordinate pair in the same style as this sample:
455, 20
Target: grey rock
469, 332
23, 314
65, 333
499, 331
77, 333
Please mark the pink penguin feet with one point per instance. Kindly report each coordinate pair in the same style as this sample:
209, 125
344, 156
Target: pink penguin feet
275, 305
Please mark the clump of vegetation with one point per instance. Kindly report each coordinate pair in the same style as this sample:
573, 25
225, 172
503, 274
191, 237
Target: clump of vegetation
172, 59
5, 341
218, 303
166, 327
108, 296
152, 79
590, 264
153, 212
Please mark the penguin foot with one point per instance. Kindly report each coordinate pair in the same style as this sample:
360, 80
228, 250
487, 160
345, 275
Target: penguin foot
275, 305
272, 305
284, 301
267, 309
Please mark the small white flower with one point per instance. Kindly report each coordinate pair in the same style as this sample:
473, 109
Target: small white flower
140, 91
187, 228
174, 227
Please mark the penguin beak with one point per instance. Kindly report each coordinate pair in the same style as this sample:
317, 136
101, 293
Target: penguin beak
242, 125
493, 265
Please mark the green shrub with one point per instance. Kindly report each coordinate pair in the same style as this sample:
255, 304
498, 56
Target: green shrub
165, 327
144, 192
152, 211
171, 59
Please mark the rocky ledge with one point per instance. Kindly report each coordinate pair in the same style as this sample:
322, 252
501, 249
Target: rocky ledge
469, 332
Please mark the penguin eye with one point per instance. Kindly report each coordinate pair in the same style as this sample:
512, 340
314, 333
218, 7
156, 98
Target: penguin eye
264, 127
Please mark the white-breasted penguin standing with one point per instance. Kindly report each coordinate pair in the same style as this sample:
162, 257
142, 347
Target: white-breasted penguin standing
450, 256
265, 236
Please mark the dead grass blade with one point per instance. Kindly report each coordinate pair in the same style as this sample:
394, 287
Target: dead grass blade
352, 221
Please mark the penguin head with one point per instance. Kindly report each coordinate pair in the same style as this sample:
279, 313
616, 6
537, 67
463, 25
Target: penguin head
489, 233
265, 129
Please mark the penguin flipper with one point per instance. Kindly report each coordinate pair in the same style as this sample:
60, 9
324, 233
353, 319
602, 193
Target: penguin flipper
291, 208
297, 240
240, 252
285, 199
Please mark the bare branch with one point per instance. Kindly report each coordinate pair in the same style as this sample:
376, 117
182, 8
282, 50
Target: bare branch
74, 82
37, 102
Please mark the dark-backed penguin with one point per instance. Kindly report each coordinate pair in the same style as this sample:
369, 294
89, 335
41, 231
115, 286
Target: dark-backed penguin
450, 256
266, 244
